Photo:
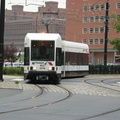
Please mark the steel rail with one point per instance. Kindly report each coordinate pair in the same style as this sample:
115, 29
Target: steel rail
38, 106
104, 113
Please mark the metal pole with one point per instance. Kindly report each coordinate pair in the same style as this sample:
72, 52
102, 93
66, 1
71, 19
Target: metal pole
106, 35
2, 16
47, 29
36, 24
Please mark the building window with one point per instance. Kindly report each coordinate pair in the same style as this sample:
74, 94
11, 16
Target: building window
110, 61
92, 8
108, 29
96, 7
108, 5
96, 41
96, 18
85, 19
102, 18
85, 8
92, 19
118, 15
84, 30
102, 7
96, 30
101, 29
101, 41
118, 5
85, 41
91, 41
91, 30
100, 61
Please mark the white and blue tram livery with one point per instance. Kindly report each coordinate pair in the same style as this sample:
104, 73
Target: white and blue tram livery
48, 57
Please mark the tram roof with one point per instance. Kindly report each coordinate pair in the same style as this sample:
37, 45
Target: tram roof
43, 36
75, 45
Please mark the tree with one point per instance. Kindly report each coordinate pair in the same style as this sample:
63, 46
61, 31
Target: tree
116, 25
10, 53
116, 44
22, 57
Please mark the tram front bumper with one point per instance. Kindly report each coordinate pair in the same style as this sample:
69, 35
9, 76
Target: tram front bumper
40, 74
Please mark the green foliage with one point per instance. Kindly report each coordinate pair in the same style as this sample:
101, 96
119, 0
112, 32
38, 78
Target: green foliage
10, 52
116, 44
16, 82
22, 57
13, 71
116, 25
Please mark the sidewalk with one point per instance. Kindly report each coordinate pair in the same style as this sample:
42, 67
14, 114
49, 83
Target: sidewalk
117, 76
103, 76
16, 84
12, 77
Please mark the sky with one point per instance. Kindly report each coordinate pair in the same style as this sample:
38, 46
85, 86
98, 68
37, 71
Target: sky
32, 5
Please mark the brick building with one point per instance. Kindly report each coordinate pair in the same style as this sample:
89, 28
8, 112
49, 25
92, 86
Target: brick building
86, 23
18, 23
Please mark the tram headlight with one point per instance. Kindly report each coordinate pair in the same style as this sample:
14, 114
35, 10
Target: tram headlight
51, 68
33, 68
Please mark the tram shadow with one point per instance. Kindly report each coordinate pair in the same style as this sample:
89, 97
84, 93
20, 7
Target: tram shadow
41, 82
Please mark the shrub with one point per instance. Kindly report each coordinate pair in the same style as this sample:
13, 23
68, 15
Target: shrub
13, 71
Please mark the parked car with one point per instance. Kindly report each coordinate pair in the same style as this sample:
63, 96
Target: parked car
113, 63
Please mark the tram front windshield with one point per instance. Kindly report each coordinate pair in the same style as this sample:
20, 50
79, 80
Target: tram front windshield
42, 50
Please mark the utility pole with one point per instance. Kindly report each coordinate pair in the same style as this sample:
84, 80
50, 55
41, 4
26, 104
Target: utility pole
36, 24
106, 34
47, 29
2, 16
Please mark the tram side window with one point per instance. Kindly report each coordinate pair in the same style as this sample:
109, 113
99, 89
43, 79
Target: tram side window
67, 62
85, 59
62, 58
72, 58
58, 57
80, 59
76, 58
26, 57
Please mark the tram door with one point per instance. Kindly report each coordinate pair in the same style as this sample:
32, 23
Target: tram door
58, 60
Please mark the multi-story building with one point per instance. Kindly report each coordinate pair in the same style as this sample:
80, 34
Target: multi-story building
86, 23
52, 17
18, 23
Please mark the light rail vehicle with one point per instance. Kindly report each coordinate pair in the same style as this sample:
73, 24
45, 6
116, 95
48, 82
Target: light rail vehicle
49, 58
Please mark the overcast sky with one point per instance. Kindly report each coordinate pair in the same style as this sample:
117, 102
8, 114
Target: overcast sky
35, 4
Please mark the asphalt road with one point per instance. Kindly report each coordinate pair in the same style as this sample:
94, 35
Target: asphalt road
92, 98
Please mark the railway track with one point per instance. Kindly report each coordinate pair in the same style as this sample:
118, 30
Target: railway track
106, 85
35, 99
60, 93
